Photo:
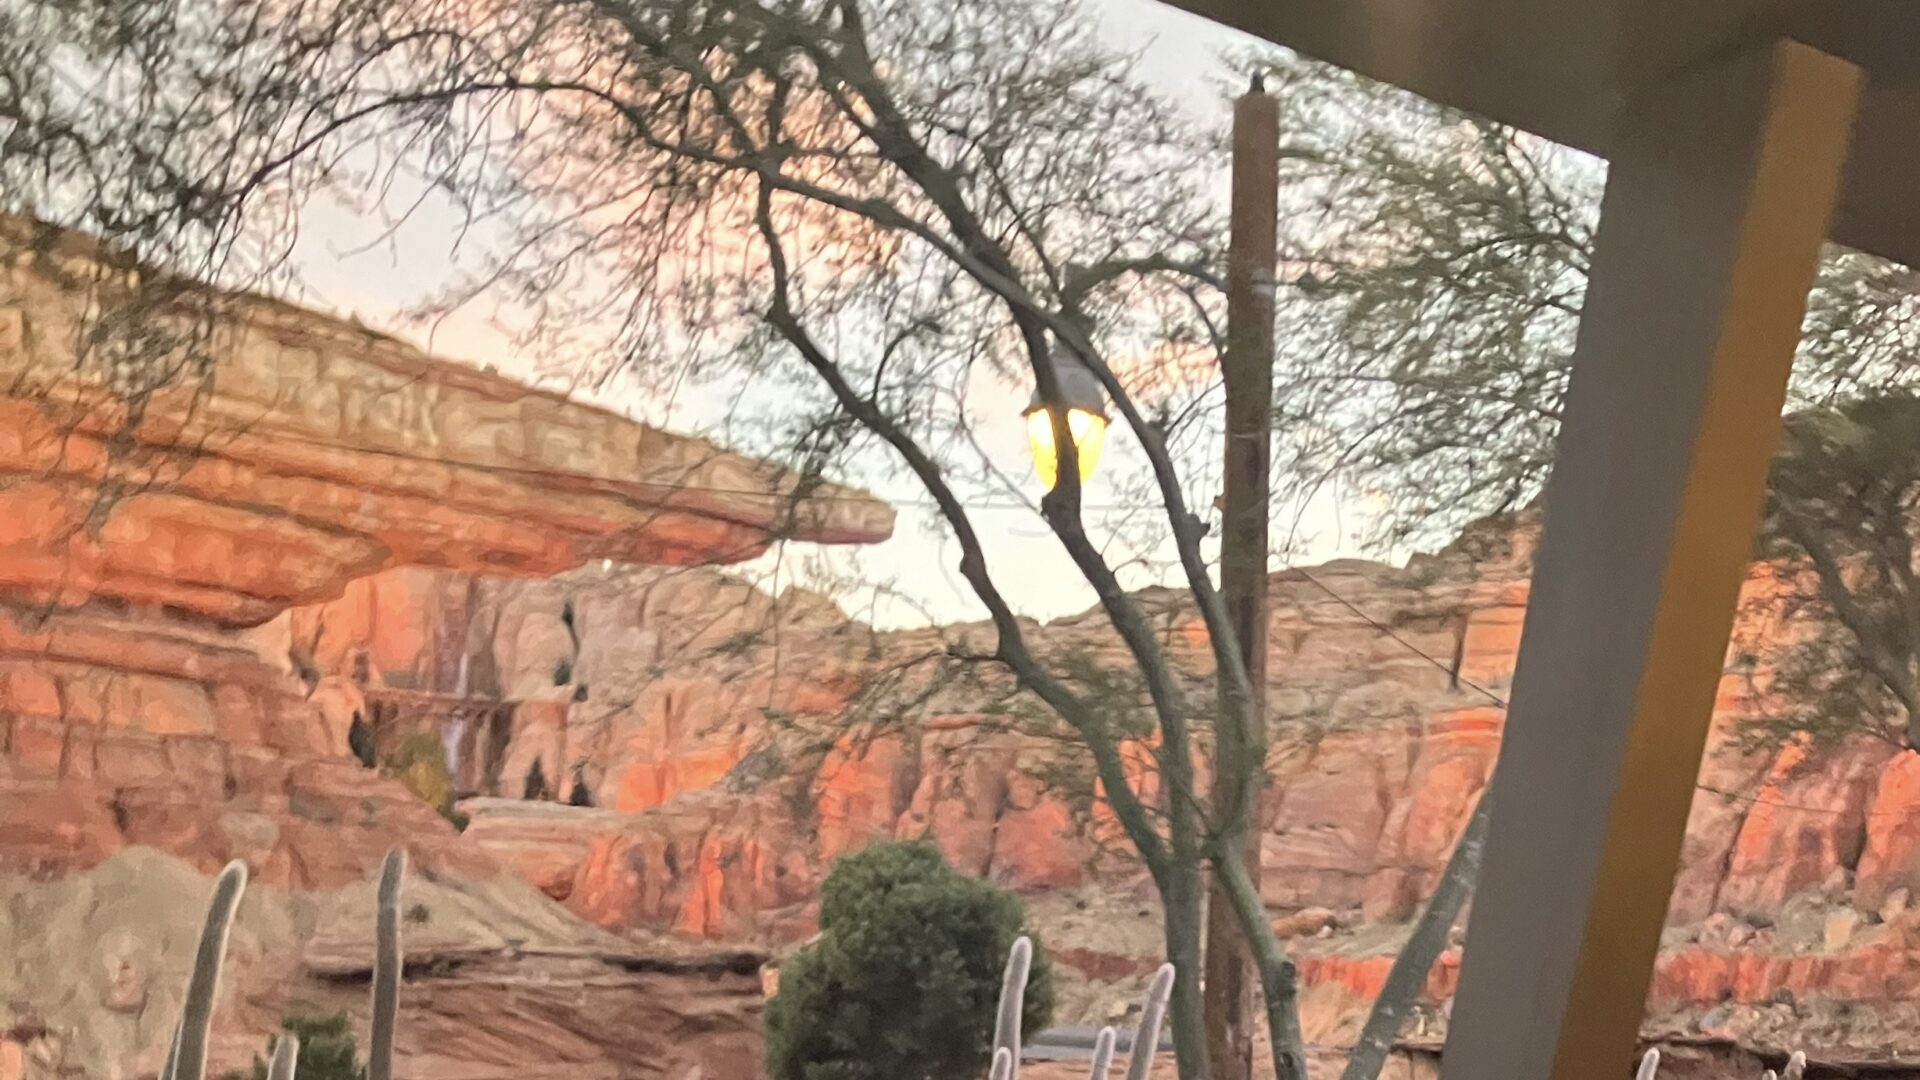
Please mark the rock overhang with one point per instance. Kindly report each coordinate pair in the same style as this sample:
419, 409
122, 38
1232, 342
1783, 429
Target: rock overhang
317, 451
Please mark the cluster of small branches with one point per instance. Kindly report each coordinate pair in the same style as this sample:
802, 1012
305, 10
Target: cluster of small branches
1439, 262
862, 223
104, 128
1439, 266
1844, 658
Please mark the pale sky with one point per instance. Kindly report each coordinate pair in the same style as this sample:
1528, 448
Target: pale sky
347, 268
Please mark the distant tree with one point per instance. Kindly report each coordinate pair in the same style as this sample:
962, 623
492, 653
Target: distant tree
1842, 511
904, 979
420, 764
1431, 325
1438, 267
327, 1050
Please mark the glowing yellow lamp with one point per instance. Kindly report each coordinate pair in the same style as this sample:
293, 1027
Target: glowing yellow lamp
1086, 403
1089, 431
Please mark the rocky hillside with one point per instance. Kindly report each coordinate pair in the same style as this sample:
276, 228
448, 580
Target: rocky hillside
500, 983
149, 732
730, 745
292, 616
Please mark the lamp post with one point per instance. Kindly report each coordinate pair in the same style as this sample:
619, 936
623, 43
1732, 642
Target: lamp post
1085, 402
1247, 370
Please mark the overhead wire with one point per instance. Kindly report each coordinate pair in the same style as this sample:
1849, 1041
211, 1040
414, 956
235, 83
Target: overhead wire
1501, 702
1381, 627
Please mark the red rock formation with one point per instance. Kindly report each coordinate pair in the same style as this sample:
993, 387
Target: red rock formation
316, 454
182, 672
732, 769
321, 452
156, 693
736, 744
1891, 859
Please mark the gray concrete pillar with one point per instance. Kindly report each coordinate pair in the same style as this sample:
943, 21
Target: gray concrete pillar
1717, 204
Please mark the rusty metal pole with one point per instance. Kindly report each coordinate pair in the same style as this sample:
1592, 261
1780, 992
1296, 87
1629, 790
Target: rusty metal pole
1247, 367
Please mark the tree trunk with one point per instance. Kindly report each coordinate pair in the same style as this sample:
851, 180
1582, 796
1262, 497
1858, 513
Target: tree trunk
1424, 946
1187, 1012
1231, 979
1181, 894
1278, 977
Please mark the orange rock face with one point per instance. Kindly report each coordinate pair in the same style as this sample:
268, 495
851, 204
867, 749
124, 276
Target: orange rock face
1891, 859
319, 452
734, 745
73, 793
158, 691
131, 557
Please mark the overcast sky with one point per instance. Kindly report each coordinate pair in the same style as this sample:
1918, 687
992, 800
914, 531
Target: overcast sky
377, 283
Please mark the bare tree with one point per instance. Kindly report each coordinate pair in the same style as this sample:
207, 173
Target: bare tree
859, 211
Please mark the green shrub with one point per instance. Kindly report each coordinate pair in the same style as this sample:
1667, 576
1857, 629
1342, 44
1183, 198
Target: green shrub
327, 1050
420, 764
903, 983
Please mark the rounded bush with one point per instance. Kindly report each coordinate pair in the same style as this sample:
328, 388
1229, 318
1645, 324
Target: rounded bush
905, 978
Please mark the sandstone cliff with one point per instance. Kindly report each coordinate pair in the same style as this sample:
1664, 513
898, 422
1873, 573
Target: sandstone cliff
338, 529
732, 744
314, 452
144, 539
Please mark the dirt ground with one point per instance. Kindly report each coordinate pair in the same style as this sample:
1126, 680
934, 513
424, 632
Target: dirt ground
1322, 1066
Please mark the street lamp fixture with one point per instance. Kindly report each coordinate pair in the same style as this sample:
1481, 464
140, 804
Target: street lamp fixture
1085, 402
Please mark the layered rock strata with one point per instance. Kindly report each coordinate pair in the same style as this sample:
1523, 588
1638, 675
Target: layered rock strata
732, 744
154, 534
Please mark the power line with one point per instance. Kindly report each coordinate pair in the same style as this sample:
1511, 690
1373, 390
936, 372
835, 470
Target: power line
1497, 700
1376, 624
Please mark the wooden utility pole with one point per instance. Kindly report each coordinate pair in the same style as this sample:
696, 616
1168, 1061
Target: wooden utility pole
1240, 756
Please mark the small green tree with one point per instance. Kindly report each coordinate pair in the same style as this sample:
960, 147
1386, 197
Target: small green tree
420, 764
903, 982
327, 1050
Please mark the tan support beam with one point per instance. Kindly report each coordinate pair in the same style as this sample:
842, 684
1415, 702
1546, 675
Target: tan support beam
1718, 199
